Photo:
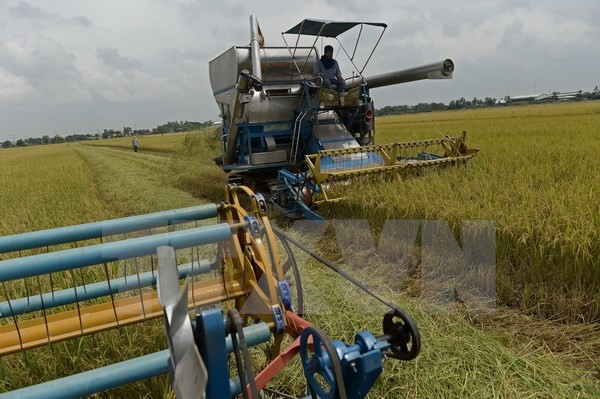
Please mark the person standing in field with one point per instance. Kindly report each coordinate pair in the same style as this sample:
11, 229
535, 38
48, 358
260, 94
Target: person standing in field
135, 143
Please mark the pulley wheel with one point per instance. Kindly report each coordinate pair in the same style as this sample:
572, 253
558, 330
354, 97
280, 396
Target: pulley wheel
322, 368
290, 269
405, 338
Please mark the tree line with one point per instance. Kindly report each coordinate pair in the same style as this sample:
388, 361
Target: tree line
169, 127
463, 103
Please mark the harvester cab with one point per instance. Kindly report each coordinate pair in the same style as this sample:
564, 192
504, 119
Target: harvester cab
289, 135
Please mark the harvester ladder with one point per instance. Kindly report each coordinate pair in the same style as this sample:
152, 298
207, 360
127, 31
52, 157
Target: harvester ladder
296, 136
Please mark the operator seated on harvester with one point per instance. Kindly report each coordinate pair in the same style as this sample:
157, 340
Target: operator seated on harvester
328, 69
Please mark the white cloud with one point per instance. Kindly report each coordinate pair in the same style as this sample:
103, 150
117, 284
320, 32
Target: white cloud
44, 70
25, 10
131, 86
112, 58
14, 88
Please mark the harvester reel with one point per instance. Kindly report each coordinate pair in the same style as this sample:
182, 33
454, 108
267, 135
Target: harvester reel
323, 366
404, 335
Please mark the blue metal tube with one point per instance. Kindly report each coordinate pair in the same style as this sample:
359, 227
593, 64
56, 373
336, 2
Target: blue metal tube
235, 386
105, 228
255, 334
97, 380
51, 262
140, 368
95, 290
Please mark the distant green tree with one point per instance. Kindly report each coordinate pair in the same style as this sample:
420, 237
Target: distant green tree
20, 143
45, 139
180, 126
6, 144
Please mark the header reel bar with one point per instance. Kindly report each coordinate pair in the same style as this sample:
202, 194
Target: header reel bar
55, 324
87, 231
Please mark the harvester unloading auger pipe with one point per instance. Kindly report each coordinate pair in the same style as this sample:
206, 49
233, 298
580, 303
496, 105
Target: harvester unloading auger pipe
245, 83
436, 70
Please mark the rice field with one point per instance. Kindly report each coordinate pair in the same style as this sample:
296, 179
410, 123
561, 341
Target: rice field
45, 187
159, 143
534, 177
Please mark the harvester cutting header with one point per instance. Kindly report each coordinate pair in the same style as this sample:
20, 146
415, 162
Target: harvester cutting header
290, 134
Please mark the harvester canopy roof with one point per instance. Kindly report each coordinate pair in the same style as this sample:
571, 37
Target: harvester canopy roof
316, 27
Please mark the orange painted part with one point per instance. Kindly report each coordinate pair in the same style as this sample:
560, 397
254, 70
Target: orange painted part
273, 368
66, 325
294, 325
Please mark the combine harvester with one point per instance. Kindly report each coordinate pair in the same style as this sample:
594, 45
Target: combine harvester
247, 300
288, 136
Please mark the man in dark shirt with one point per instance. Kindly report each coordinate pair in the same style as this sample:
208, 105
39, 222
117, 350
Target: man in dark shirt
329, 70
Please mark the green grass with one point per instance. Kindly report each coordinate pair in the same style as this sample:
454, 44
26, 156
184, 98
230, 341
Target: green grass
183, 160
156, 143
133, 183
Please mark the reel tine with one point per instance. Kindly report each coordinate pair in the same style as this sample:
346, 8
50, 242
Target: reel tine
189, 371
167, 279
190, 382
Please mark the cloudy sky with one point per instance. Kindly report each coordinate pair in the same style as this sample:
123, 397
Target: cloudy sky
82, 66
